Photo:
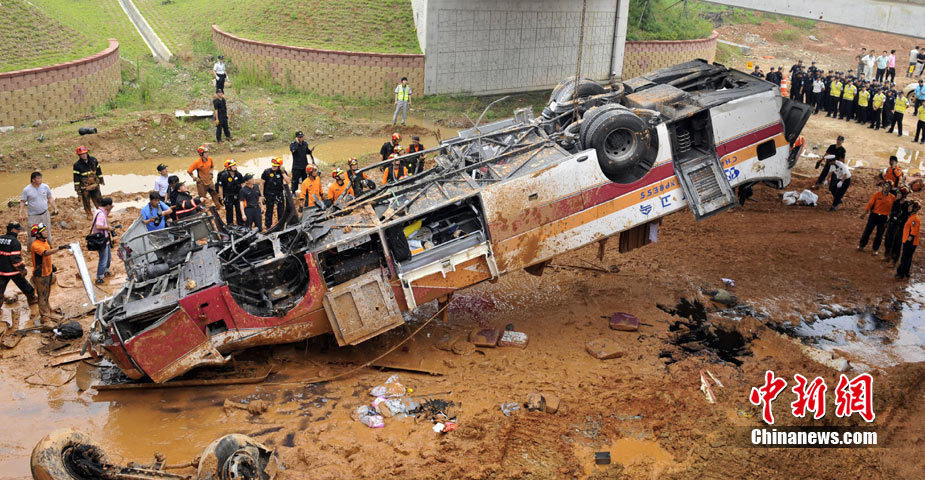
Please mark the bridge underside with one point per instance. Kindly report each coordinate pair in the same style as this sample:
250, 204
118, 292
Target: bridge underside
902, 17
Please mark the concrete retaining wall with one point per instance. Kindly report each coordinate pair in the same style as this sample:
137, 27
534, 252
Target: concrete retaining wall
154, 43
644, 57
60, 92
326, 72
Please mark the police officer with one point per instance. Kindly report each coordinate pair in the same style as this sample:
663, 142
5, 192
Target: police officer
886, 112
274, 179
876, 115
300, 152
12, 266
847, 101
250, 203
229, 186
88, 176
835, 90
221, 116
899, 109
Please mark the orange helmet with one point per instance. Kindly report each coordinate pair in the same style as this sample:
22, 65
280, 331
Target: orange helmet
277, 162
337, 172
202, 149
230, 163
352, 161
310, 167
396, 137
37, 229
81, 149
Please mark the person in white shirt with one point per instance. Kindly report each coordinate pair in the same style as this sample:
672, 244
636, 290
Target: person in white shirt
402, 100
161, 183
842, 175
818, 93
34, 205
868, 62
220, 74
912, 56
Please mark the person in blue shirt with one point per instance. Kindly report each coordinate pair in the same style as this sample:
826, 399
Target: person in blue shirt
919, 95
153, 214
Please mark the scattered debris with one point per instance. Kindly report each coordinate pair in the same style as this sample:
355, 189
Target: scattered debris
484, 337
513, 339
391, 388
602, 458
729, 282
436, 410
723, 297
367, 417
254, 407
706, 388
624, 322
68, 357
69, 331
86, 130
509, 408
813, 38
8, 128
604, 349
267, 136
804, 198
535, 403
193, 113
36, 124
463, 347
697, 334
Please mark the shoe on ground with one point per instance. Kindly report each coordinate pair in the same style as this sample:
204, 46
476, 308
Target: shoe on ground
99, 281
832, 208
875, 253
107, 274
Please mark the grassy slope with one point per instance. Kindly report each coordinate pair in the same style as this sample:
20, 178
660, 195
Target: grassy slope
679, 20
29, 38
358, 25
100, 19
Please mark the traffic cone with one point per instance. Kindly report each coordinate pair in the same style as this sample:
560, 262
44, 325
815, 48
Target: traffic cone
784, 90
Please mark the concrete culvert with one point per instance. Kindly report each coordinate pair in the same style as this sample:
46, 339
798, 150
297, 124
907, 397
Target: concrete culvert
626, 146
68, 455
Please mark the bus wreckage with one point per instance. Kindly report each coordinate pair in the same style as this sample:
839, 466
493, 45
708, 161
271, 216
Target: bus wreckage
501, 197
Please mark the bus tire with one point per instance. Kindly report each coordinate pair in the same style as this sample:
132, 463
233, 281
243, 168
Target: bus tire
56, 457
626, 147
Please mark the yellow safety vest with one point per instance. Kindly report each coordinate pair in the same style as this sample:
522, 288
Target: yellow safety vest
404, 93
863, 97
901, 104
922, 113
849, 92
879, 99
836, 89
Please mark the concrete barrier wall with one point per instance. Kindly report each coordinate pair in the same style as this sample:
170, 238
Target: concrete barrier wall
326, 72
154, 43
644, 57
60, 92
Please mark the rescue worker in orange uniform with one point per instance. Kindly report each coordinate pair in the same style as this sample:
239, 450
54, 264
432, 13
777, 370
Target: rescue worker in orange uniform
42, 277
394, 172
893, 173
203, 167
310, 191
879, 207
358, 180
339, 186
910, 241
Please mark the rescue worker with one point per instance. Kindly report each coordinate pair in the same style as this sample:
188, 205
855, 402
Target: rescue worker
910, 240
101, 225
841, 180
876, 114
13, 268
310, 192
185, 205
229, 186
250, 203
154, 214
920, 125
863, 104
388, 148
220, 114
274, 179
34, 203
173, 182
847, 101
899, 109
899, 213
415, 164
43, 270
835, 89
203, 178
300, 152
836, 151
338, 187
879, 207
394, 172
893, 174
358, 180
88, 176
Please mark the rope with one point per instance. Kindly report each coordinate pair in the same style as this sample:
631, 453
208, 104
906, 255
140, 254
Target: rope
368, 363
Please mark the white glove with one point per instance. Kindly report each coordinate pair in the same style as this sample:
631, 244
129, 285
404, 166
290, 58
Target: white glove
838, 184
829, 157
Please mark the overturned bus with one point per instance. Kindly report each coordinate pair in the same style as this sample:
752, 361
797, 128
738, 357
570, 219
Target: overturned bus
501, 197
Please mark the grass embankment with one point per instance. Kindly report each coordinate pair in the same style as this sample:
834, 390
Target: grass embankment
29, 38
100, 20
385, 26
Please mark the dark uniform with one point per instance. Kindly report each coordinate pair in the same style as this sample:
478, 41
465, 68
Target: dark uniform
221, 112
12, 268
251, 198
230, 181
273, 192
300, 152
186, 205
796, 85
807, 89
88, 176
887, 109
839, 153
415, 164
388, 148
359, 182
893, 240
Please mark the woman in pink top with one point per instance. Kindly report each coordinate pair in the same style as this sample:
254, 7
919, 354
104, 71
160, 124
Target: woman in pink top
891, 66
101, 225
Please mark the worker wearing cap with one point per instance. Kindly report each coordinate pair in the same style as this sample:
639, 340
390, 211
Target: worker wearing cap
274, 179
338, 187
154, 214
394, 172
876, 107
388, 148
358, 180
88, 176
899, 109
250, 203
220, 74
415, 164
229, 187
920, 125
43, 273
13, 268
879, 207
220, 114
910, 240
310, 190
184, 204
161, 182
300, 153
899, 213
203, 178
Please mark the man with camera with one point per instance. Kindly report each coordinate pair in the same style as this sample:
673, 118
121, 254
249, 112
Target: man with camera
153, 214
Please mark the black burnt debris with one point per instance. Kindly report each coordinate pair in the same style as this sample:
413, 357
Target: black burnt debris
694, 334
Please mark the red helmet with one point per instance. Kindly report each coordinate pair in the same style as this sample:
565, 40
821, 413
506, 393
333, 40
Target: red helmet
202, 149
277, 162
37, 229
352, 161
396, 137
310, 167
337, 172
81, 149
397, 149
230, 163
904, 190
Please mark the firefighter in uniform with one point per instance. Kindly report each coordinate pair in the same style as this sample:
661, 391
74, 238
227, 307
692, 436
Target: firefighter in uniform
893, 173
13, 268
358, 180
910, 240
250, 203
415, 164
42, 275
88, 176
394, 172
186, 205
339, 187
203, 167
310, 191
274, 179
229, 186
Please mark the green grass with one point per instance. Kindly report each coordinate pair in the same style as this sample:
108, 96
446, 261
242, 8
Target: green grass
100, 19
665, 20
729, 56
29, 38
385, 26
786, 36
